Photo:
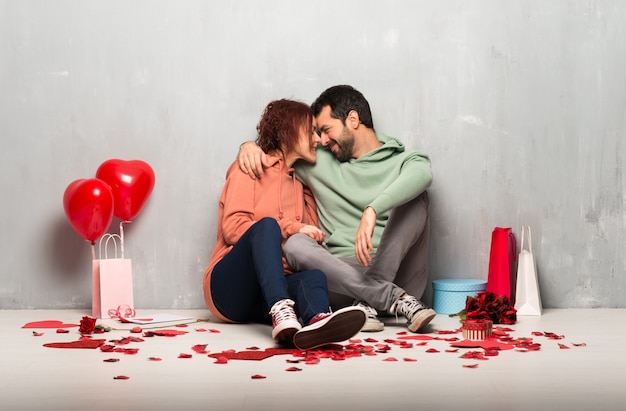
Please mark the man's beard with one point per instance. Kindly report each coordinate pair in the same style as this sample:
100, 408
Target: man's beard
346, 147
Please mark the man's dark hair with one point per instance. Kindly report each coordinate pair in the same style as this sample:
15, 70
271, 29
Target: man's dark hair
342, 99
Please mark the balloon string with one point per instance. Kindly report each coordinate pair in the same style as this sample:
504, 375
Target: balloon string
122, 234
93, 250
122, 237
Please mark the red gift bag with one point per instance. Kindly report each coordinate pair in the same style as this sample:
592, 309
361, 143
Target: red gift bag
112, 284
502, 263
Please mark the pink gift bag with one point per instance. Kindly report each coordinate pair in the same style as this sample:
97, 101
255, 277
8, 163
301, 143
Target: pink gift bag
502, 263
112, 283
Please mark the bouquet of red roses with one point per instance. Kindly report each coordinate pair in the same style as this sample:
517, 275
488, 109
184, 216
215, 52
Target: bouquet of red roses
489, 306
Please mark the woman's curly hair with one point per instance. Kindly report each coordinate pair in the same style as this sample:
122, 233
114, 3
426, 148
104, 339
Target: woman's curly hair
281, 123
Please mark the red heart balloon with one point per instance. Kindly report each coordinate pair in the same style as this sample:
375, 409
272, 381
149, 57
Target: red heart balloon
88, 205
131, 181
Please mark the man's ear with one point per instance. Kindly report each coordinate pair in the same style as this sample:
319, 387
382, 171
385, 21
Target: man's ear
352, 120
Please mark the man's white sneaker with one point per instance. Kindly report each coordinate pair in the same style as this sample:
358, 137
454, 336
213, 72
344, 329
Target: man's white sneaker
284, 321
416, 313
372, 324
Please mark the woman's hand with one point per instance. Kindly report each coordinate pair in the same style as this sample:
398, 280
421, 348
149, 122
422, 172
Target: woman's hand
251, 159
313, 232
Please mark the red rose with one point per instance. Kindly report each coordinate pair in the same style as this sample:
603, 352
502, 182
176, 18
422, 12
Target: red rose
487, 299
509, 316
490, 306
87, 325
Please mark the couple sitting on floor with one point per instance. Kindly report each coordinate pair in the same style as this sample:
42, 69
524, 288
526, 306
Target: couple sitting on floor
302, 230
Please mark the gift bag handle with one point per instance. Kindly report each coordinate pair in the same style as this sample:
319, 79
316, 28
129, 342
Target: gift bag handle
530, 242
106, 238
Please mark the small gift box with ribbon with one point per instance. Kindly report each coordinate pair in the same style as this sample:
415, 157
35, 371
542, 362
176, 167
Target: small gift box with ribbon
476, 330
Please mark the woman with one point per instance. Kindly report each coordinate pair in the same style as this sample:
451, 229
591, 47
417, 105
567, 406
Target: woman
248, 279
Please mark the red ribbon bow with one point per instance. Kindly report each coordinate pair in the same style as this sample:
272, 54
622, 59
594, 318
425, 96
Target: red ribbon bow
122, 311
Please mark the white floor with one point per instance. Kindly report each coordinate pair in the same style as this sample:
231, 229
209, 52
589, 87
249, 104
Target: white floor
585, 377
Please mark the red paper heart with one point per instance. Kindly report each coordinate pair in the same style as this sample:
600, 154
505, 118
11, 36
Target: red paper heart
243, 355
282, 351
48, 324
254, 354
131, 182
487, 344
164, 333
87, 343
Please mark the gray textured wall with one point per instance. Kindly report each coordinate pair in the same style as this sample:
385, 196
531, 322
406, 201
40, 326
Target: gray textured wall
521, 104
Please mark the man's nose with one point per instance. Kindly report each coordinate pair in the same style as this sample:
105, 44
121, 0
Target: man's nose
324, 140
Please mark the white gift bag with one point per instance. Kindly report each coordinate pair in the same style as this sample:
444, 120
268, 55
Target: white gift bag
527, 298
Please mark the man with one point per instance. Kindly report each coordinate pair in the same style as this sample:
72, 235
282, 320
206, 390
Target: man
373, 207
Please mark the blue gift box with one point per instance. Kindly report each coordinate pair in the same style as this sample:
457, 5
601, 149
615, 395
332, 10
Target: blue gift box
449, 295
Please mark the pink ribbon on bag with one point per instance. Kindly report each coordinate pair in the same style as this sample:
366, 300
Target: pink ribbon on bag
122, 311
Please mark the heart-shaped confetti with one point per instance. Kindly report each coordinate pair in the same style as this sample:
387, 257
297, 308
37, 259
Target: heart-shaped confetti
48, 324
90, 343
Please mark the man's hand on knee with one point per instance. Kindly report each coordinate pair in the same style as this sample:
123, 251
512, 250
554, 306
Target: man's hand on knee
363, 246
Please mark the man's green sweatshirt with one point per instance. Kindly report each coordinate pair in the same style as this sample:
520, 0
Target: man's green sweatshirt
384, 178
